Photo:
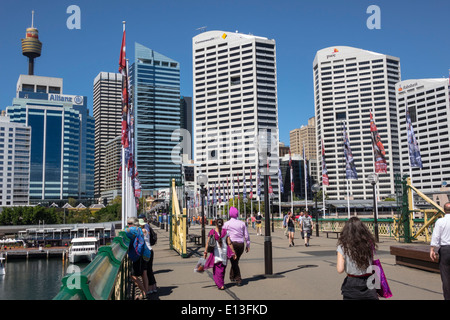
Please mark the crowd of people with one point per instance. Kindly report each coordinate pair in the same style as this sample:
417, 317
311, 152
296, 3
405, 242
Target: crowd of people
303, 221
227, 241
140, 252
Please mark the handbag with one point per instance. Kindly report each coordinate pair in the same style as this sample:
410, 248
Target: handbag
384, 291
211, 243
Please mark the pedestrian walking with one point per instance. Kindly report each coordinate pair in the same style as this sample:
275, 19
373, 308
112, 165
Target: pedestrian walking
291, 228
259, 224
240, 239
285, 219
253, 221
223, 250
150, 240
356, 246
138, 253
440, 242
306, 227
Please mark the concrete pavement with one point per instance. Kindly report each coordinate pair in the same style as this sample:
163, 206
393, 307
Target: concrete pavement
299, 272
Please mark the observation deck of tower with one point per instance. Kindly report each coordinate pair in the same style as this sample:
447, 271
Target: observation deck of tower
31, 46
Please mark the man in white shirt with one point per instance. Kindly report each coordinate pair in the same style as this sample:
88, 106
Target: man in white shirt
440, 240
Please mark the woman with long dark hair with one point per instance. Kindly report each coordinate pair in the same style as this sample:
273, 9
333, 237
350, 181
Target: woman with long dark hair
223, 250
355, 250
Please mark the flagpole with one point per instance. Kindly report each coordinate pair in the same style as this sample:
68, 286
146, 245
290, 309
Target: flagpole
409, 158
348, 201
306, 175
124, 189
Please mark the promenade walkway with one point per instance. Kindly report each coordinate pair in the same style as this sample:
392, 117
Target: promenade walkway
299, 272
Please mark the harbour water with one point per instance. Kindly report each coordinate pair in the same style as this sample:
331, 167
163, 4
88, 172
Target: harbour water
34, 279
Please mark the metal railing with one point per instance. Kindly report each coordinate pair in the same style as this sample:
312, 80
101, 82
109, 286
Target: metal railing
107, 277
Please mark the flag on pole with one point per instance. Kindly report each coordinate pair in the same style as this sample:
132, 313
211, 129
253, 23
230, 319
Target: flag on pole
258, 190
280, 179
214, 194
415, 160
270, 181
123, 71
325, 180
306, 173
245, 188
251, 185
218, 194
378, 148
239, 187
223, 194
350, 168
290, 171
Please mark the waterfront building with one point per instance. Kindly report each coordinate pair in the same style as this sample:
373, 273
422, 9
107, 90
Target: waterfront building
62, 139
348, 84
15, 144
428, 103
107, 111
155, 81
235, 100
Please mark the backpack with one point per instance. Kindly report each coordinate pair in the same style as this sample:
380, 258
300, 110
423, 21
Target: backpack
153, 236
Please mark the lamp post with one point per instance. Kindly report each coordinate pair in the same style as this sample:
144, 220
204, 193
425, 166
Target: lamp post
263, 153
202, 180
315, 188
373, 179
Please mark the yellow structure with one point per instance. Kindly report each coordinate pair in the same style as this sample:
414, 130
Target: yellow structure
178, 225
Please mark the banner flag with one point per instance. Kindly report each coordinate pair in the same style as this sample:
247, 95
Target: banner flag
325, 180
415, 160
378, 148
350, 168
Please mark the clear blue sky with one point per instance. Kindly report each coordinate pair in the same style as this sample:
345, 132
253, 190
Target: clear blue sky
415, 31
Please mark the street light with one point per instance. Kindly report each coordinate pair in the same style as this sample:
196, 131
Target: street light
373, 179
315, 188
263, 149
202, 180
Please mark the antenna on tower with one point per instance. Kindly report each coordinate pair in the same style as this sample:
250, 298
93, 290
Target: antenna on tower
32, 18
202, 29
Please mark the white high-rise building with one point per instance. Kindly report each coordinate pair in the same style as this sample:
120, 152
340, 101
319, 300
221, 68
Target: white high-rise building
15, 142
108, 118
348, 83
235, 99
428, 103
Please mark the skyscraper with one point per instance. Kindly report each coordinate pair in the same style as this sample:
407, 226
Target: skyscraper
155, 81
348, 84
108, 116
62, 139
235, 99
427, 101
304, 137
15, 139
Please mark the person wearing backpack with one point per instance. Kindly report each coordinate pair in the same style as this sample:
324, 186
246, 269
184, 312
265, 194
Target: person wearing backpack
306, 227
151, 239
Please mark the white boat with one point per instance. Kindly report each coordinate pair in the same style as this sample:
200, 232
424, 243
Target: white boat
2, 266
83, 249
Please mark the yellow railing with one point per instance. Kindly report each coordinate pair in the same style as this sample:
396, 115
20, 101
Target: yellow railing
178, 225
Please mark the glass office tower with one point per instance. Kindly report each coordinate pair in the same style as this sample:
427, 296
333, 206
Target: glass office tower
155, 81
62, 139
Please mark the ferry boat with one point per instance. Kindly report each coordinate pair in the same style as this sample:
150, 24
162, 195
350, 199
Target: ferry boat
83, 249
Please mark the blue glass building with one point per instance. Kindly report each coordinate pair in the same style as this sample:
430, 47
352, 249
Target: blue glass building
62, 139
155, 81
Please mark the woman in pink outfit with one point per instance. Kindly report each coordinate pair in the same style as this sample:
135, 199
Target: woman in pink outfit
223, 251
